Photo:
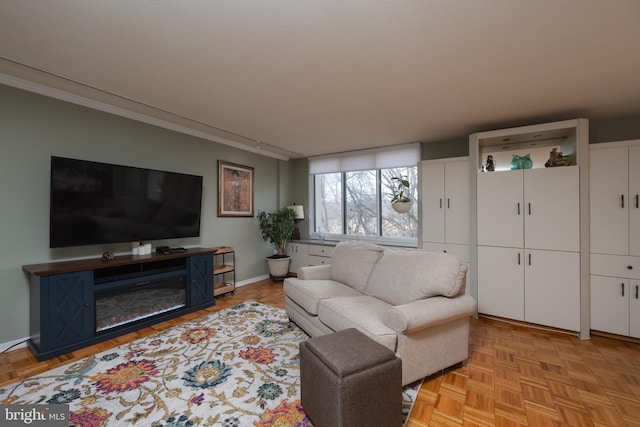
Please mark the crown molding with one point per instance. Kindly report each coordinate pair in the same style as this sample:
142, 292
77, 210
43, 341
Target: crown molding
47, 84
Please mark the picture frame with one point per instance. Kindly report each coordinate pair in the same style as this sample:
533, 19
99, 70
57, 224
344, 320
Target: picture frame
235, 190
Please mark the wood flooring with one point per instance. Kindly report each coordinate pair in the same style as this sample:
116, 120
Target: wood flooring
515, 375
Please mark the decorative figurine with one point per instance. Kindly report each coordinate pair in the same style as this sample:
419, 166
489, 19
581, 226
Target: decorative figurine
553, 158
490, 166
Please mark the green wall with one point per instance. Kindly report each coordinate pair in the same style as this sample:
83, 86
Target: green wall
34, 127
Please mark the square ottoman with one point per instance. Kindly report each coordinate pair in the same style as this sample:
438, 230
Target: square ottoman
347, 379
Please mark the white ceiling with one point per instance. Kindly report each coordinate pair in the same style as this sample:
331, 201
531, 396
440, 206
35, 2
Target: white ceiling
307, 78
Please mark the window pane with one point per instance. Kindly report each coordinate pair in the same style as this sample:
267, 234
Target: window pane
399, 224
362, 202
328, 202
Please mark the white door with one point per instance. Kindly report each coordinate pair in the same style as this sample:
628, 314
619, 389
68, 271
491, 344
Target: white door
432, 199
456, 180
552, 288
634, 309
634, 201
608, 184
610, 304
500, 208
552, 208
501, 282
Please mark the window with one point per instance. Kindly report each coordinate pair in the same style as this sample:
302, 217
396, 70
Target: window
351, 200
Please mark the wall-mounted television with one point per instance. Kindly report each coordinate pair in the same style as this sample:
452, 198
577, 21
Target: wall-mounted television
96, 203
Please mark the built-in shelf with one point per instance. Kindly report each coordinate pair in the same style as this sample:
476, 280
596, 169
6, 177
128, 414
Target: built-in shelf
224, 271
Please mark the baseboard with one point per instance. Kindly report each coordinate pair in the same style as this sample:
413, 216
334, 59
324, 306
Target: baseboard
252, 280
19, 343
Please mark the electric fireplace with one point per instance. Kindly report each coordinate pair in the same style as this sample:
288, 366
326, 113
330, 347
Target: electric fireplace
127, 304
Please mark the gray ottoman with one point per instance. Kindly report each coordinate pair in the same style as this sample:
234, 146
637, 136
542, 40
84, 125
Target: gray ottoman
347, 379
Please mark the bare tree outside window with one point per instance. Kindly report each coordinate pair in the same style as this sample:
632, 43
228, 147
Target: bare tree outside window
396, 224
362, 202
328, 203
349, 203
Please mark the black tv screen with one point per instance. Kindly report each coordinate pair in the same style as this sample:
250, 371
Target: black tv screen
96, 203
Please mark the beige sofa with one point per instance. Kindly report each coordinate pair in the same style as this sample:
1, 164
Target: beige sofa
410, 300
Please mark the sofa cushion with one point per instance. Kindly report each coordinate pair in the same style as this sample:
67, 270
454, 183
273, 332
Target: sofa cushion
405, 275
307, 293
352, 263
364, 313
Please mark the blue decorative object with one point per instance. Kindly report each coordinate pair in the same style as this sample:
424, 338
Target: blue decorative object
521, 162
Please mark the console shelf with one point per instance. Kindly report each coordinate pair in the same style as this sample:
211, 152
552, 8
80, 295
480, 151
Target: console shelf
63, 295
224, 271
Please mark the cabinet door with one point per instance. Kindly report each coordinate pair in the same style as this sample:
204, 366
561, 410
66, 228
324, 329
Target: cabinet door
69, 316
432, 199
299, 254
610, 304
608, 183
552, 288
634, 308
456, 184
634, 201
500, 208
501, 282
552, 208
200, 280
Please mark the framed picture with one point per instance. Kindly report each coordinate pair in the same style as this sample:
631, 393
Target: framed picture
235, 189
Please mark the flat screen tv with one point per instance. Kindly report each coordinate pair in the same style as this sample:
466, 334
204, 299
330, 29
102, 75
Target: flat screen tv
97, 203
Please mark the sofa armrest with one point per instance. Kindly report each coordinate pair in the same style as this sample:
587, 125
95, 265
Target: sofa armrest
315, 272
428, 312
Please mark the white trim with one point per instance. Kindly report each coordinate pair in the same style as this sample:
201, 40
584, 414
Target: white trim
252, 280
51, 92
21, 343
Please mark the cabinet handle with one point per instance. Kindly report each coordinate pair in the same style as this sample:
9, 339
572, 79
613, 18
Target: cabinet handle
518, 258
529, 208
637, 291
529, 259
637, 201
622, 200
518, 208
448, 203
622, 288
629, 267
440, 202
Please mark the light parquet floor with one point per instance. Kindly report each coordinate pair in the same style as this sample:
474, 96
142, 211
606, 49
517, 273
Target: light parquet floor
515, 376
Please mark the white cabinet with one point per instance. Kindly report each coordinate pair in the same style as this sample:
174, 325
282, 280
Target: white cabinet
320, 254
528, 246
529, 239
615, 206
501, 282
615, 237
536, 286
615, 305
303, 254
444, 188
299, 253
536, 208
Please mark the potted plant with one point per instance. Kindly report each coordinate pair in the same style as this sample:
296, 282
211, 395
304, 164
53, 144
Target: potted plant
401, 201
277, 228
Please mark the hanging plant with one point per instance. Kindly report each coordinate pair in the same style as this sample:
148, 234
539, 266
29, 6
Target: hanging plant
401, 200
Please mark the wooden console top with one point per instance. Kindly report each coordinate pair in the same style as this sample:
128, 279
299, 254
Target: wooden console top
58, 267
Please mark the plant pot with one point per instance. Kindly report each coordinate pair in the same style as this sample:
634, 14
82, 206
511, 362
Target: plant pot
402, 207
278, 266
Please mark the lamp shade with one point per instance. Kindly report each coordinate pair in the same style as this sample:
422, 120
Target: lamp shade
299, 210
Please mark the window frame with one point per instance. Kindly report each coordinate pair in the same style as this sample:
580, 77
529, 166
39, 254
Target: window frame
379, 238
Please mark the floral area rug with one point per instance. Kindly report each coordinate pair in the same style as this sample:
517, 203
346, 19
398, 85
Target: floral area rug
236, 367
